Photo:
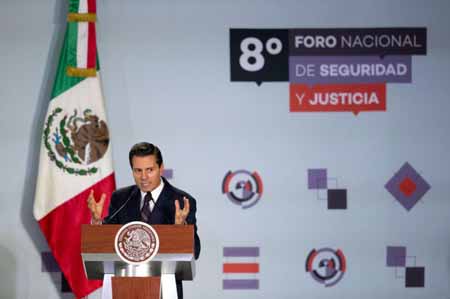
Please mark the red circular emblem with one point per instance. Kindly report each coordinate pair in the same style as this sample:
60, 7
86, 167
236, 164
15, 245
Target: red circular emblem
136, 243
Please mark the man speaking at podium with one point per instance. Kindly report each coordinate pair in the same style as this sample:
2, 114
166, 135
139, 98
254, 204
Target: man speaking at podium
152, 200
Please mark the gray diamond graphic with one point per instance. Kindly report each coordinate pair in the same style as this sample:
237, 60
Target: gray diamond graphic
400, 186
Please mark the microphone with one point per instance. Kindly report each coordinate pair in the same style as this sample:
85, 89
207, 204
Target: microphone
110, 217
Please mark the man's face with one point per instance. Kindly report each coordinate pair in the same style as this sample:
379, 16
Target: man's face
146, 172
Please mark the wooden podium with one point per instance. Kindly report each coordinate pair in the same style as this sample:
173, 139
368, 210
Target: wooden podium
175, 258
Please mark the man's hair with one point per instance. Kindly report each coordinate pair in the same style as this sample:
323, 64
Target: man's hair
143, 149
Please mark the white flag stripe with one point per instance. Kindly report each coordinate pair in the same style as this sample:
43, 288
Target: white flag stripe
240, 276
240, 259
52, 180
83, 6
82, 44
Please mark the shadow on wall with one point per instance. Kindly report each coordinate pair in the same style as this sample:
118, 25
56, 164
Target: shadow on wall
8, 268
31, 171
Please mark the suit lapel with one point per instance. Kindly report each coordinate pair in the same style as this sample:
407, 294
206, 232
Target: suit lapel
159, 213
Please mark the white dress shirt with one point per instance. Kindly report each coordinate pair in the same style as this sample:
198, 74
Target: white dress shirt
155, 195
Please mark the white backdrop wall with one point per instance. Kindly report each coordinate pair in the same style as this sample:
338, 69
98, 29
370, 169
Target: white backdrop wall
166, 79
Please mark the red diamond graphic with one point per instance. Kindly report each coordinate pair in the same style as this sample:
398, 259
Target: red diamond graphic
398, 186
407, 186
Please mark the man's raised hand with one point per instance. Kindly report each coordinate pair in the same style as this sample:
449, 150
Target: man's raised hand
95, 207
181, 214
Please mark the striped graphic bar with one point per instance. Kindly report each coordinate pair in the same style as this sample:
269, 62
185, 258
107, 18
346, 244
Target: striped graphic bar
241, 251
240, 284
240, 268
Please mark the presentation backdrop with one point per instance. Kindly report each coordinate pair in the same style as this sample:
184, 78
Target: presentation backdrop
313, 135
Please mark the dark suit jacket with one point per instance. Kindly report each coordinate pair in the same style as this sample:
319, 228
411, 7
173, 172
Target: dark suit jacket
163, 212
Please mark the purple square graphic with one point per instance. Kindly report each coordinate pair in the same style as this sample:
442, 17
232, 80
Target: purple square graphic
337, 199
394, 186
396, 256
168, 173
415, 277
317, 178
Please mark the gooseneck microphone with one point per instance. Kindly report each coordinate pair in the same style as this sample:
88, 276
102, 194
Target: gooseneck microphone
110, 217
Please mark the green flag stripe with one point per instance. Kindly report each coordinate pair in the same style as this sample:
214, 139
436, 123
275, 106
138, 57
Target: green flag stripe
74, 5
68, 58
62, 81
72, 38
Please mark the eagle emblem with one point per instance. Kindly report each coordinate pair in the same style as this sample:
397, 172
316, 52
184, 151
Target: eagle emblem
75, 141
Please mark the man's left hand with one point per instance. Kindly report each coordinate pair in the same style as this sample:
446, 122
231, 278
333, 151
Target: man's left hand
181, 214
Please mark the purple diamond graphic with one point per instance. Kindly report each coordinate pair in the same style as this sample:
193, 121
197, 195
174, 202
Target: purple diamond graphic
395, 187
396, 256
317, 178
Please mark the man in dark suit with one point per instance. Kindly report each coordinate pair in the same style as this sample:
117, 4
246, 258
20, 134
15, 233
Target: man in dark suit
153, 199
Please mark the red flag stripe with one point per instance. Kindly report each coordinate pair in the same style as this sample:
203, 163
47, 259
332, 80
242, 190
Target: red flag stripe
240, 268
62, 229
92, 47
92, 7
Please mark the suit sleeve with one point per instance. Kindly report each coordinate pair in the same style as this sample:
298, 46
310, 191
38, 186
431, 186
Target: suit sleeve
191, 219
112, 208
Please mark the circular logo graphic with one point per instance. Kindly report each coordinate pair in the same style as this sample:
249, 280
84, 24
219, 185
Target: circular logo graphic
243, 187
136, 243
74, 141
326, 266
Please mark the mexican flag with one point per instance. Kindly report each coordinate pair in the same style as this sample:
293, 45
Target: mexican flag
75, 153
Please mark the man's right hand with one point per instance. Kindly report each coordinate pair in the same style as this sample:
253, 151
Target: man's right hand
95, 207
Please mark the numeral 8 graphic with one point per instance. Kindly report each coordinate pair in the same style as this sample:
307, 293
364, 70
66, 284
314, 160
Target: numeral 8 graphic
259, 55
252, 59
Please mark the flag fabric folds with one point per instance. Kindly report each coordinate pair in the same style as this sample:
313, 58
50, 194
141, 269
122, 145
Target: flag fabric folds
75, 153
